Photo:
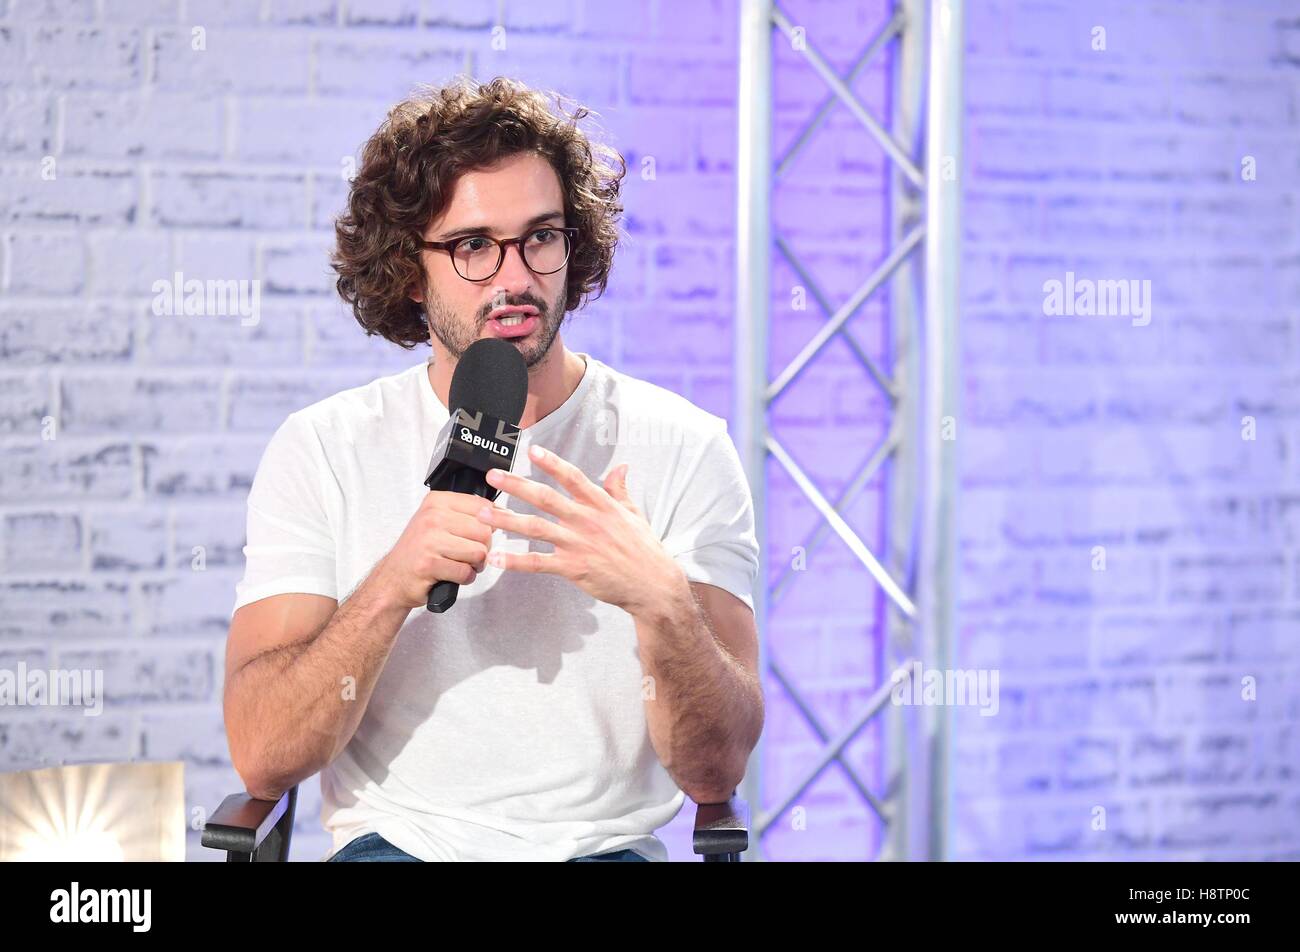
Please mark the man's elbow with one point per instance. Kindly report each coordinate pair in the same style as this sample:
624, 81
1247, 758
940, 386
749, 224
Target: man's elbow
273, 793
718, 785
259, 783
728, 763
713, 793
264, 776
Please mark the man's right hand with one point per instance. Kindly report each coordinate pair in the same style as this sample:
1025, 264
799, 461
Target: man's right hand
444, 541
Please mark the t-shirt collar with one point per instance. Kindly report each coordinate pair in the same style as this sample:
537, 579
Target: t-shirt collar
543, 426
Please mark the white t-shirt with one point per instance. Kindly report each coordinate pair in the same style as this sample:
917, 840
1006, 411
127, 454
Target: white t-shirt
512, 726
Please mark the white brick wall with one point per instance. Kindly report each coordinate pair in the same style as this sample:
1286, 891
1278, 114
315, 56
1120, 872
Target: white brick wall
1121, 689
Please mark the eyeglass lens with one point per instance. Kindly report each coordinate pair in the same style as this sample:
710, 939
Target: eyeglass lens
478, 257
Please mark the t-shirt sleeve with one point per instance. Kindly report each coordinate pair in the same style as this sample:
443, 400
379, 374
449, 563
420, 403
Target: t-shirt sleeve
711, 530
289, 547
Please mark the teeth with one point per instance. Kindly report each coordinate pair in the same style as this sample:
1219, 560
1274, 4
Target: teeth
512, 320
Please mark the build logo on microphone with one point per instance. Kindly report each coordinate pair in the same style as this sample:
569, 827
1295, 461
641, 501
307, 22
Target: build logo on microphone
471, 428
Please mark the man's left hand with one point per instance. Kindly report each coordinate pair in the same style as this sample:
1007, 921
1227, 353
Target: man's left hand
602, 542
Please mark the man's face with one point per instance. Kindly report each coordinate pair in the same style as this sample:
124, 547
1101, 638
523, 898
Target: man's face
505, 200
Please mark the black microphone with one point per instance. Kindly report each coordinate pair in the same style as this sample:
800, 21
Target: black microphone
486, 400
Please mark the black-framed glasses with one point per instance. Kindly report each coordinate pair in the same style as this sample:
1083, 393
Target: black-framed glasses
545, 250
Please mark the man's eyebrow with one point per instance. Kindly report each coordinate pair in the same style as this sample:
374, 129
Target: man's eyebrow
484, 230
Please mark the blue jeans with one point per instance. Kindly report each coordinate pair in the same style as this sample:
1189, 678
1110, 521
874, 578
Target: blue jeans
373, 848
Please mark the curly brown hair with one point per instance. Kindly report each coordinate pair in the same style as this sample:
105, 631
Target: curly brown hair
409, 168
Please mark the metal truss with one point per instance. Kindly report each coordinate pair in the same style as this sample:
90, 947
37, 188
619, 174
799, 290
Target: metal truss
919, 272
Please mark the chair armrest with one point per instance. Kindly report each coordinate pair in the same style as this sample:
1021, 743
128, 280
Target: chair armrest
242, 823
722, 827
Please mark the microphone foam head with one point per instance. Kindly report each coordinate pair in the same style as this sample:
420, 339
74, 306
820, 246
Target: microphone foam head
490, 377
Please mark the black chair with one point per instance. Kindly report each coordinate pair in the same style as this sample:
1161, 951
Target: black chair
258, 831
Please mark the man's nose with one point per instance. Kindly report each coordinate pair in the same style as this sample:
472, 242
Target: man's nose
514, 276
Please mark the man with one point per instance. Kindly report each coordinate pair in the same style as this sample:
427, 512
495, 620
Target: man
599, 665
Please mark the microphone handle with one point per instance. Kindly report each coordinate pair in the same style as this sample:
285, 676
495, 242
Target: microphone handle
464, 480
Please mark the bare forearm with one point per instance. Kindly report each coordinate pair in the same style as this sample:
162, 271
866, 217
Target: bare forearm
706, 711
292, 710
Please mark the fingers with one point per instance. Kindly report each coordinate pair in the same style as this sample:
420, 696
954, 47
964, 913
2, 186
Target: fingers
569, 477
615, 484
540, 496
531, 562
468, 526
452, 571
460, 549
454, 512
466, 503
532, 527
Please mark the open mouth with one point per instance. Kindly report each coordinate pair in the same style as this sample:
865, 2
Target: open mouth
513, 322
